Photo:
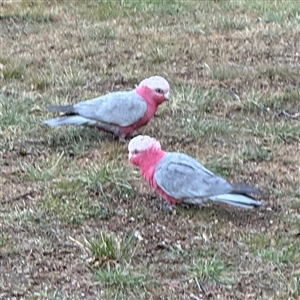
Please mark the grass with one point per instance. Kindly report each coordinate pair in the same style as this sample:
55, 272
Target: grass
64, 205
278, 252
111, 250
278, 132
206, 269
13, 72
108, 174
111, 258
119, 283
77, 221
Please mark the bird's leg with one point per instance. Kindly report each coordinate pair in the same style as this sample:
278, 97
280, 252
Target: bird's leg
185, 205
122, 138
166, 207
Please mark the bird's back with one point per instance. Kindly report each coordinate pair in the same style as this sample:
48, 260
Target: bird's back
121, 108
182, 177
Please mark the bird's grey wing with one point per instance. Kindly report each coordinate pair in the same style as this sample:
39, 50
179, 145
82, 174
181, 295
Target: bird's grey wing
182, 177
119, 108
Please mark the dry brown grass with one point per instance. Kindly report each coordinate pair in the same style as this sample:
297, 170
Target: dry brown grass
234, 74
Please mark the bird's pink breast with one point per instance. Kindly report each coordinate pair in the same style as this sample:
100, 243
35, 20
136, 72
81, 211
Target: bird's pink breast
147, 163
151, 109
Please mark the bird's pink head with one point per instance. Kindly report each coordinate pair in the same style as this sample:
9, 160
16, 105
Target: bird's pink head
154, 88
140, 144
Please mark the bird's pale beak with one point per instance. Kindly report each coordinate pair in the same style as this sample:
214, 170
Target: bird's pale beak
167, 95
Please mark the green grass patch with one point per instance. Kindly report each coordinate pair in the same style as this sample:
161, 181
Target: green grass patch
277, 132
233, 24
280, 74
102, 11
72, 140
208, 127
109, 250
13, 71
71, 202
256, 153
119, 283
30, 12
225, 72
83, 194
112, 255
3, 239
15, 114
102, 33
287, 101
221, 168
276, 249
208, 269
189, 100
107, 176
45, 170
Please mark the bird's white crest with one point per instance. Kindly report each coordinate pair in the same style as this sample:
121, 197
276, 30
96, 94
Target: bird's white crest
156, 82
141, 143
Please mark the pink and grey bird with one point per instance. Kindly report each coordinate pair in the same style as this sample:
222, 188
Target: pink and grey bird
118, 112
179, 178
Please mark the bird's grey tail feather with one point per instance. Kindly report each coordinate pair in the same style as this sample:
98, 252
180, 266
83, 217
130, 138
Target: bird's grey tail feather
67, 109
245, 189
237, 200
74, 120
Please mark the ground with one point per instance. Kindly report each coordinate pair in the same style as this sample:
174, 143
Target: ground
77, 220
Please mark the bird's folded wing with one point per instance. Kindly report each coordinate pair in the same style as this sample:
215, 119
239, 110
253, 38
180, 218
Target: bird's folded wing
181, 177
119, 108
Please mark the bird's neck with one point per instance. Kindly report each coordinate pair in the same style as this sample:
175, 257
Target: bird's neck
150, 98
149, 95
147, 161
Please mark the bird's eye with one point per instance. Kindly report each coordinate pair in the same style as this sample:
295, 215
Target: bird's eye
160, 91
135, 151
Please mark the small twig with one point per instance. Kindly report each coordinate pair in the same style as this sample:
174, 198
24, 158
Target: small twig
288, 115
36, 142
17, 27
17, 198
173, 285
194, 296
14, 23
200, 286
58, 160
80, 245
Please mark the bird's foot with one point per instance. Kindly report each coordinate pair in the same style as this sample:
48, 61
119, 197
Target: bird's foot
166, 207
162, 205
122, 140
185, 205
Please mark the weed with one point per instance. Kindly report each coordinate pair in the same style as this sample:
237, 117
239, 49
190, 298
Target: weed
119, 282
44, 171
70, 201
13, 72
104, 250
112, 251
208, 269
113, 256
278, 250
277, 132
107, 175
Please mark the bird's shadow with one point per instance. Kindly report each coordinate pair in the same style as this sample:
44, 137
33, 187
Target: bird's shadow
209, 212
76, 140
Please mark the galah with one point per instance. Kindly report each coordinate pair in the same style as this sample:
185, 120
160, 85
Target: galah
118, 112
179, 178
